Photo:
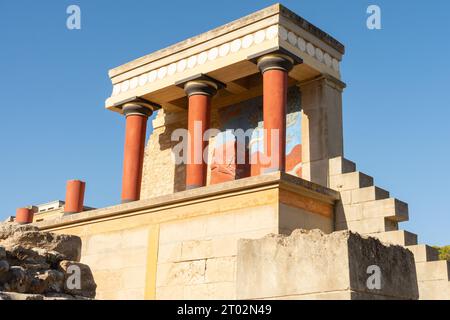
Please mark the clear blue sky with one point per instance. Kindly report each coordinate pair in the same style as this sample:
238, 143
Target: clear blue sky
54, 81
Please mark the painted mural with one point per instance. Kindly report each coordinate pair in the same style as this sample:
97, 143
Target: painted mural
240, 139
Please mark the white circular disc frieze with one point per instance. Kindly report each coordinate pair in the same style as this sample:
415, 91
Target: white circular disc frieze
301, 44
247, 41
213, 53
260, 36
310, 49
192, 61
152, 76
292, 38
224, 49
236, 45
181, 65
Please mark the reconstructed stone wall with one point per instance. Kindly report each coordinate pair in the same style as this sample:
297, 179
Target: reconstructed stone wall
312, 265
160, 174
183, 245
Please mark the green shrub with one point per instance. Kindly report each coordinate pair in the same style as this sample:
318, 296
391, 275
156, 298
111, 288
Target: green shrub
444, 252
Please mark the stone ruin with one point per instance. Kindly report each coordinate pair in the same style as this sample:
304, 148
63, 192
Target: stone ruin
37, 265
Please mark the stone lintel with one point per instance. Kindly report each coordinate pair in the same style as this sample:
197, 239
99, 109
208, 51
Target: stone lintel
224, 54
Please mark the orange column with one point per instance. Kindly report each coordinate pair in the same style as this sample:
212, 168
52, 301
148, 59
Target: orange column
74, 196
135, 130
24, 215
275, 70
200, 93
198, 123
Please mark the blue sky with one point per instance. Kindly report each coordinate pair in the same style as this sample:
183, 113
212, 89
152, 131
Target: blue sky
54, 81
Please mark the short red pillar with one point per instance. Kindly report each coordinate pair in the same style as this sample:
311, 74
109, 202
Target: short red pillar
135, 131
200, 93
24, 215
275, 70
74, 196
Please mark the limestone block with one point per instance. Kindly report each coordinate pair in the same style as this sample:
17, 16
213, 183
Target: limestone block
196, 249
170, 293
134, 238
368, 226
434, 290
368, 194
346, 197
391, 208
433, 270
210, 291
311, 262
397, 237
350, 181
340, 165
221, 291
116, 260
134, 278
316, 171
181, 273
131, 294
291, 218
423, 253
339, 295
220, 269
224, 246
104, 242
170, 252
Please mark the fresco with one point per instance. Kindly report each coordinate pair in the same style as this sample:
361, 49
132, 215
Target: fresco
248, 117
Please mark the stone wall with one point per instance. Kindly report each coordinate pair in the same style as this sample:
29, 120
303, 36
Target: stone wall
183, 245
312, 265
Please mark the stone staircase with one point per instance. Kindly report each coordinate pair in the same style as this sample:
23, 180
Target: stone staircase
369, 210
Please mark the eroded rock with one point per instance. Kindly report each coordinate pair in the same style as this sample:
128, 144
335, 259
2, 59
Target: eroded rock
37, 265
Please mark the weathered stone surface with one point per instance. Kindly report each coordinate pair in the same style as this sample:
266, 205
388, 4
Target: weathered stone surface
26, 296
16, 280
34, 265
67, 245
310, 261
4, 267
87, 284
9, 229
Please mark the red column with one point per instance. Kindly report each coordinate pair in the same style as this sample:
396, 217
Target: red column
24, 215
275, 70
200, 93
198, 123
74, 196
135, 130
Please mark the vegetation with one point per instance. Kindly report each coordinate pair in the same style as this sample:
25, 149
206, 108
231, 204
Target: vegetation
444, 252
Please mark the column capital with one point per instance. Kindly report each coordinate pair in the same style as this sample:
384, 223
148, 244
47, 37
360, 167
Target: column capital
275, 61
201, 85
139, 107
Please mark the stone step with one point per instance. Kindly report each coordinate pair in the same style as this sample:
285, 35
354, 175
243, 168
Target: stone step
368, 194
397, 237
424, 253
340, 165
350, 181
433, 270
368, 226
390, 208
434, 290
